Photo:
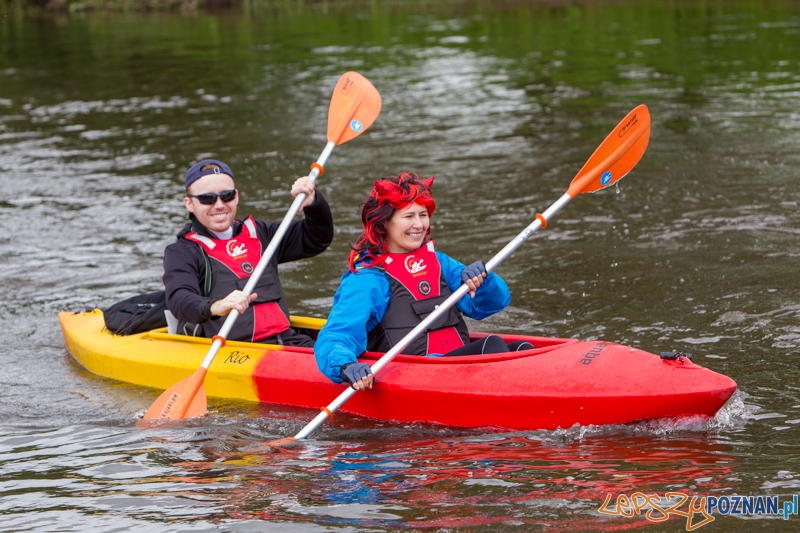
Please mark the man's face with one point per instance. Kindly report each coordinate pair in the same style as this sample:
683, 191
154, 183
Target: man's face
219, 215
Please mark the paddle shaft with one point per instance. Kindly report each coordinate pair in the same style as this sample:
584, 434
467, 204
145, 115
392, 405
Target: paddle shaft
266, 256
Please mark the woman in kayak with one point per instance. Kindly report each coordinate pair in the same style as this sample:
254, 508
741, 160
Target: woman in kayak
395, 280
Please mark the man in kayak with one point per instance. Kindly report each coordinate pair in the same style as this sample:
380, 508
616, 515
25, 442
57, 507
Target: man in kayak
207, 268
396, 278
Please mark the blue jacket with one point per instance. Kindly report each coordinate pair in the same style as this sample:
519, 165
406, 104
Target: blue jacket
361, 301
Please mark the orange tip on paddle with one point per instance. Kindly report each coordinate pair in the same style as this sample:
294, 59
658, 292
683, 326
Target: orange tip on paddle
616, 156
288, 442
185, 399
354, 106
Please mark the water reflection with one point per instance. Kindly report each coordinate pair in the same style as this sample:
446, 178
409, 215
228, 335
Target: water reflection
362, 474
465, 481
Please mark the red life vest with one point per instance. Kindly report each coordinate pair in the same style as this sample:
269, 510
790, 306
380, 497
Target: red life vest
417, 288
232, 262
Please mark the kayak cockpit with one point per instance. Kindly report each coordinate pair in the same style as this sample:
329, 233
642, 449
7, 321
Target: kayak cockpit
541, 345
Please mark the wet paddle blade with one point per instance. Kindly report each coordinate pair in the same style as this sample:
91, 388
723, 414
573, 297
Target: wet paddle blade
278, 444
616, 156
185, 399
355, 105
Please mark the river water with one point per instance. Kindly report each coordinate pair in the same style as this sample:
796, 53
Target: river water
696, 250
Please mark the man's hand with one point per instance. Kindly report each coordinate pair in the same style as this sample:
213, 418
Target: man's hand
306, 185
235, 300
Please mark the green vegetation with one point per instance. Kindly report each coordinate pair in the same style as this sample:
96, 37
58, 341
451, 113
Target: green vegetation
57, 6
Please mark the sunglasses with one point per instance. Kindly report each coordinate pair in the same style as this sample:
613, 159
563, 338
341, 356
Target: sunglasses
210, 198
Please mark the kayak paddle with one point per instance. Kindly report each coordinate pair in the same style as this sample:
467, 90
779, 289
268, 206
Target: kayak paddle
355, 104
611, 162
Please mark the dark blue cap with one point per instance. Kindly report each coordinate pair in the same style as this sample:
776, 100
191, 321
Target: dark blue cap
194, 173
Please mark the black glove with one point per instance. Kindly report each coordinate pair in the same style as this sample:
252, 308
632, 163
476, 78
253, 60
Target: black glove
352, 372
475, 269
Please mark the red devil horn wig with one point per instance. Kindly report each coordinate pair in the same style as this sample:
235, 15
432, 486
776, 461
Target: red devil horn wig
388, 195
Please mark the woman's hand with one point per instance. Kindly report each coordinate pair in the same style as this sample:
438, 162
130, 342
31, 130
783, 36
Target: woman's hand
473, 276
358, 375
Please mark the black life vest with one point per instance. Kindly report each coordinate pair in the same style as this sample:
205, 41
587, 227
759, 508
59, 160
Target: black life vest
232, 262
417, 288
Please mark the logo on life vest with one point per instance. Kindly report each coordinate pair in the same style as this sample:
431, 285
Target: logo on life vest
247, 268
424, 287
235, 250
414, 266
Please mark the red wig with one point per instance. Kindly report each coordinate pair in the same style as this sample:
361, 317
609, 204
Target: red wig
388, 195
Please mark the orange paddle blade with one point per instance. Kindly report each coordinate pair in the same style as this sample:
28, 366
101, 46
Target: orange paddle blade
272, 446
616, 156
355, 105
187, 398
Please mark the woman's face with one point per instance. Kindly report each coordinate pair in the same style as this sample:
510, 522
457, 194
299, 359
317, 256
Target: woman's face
407, 228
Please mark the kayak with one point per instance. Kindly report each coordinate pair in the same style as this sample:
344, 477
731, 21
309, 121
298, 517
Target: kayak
559, 383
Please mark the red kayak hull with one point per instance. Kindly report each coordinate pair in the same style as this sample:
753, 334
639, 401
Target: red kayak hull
558, 386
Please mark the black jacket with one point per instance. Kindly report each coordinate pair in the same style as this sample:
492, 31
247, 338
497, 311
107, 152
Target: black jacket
184, 264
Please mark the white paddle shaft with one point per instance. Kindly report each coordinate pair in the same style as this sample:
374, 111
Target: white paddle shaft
422, 327
267, 256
